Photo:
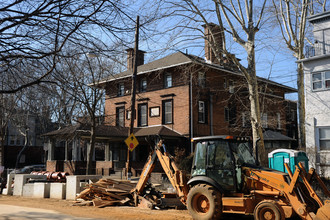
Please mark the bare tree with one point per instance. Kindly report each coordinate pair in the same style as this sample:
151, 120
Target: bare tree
75, 76
31, 31
292, 20
239, 20
7, 107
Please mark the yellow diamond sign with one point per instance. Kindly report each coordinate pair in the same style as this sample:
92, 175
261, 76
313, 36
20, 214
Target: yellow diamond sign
131, 142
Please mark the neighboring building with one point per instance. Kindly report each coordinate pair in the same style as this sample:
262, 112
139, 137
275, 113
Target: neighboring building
317, 95
33, 153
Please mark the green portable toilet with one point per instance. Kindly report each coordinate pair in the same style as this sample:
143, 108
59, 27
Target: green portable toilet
277, 158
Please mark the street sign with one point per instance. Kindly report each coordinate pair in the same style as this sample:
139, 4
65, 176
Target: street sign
131, 142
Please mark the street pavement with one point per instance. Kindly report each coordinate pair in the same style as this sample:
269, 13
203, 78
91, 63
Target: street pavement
11, 212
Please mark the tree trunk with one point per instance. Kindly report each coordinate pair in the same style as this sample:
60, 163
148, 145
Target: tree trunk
257, 133
90, 150
301, 105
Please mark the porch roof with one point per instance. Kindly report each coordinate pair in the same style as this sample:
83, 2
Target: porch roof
276, 136
106, 131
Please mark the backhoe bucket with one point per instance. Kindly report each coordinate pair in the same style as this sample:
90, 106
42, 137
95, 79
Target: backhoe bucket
323, 213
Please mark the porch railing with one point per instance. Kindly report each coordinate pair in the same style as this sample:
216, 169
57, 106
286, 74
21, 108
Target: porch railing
317, 49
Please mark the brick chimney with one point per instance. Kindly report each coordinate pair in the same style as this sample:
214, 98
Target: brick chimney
130, 58
216, 31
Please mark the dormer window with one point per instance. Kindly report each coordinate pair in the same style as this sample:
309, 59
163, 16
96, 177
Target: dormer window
168, 80
121, 89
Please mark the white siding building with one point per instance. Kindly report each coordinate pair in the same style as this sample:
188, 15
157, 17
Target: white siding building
317, 95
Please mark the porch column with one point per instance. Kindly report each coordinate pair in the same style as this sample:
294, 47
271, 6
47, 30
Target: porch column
66, 153
88, 148
51, 149
107, 152
75, 150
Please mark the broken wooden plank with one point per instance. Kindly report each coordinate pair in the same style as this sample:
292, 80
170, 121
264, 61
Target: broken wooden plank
83, 203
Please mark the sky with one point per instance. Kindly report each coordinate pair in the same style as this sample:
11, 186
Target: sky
274, 60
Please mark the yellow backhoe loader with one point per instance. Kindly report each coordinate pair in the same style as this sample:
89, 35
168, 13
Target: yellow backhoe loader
226, 179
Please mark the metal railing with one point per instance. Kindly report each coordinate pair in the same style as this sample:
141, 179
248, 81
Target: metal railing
317, 49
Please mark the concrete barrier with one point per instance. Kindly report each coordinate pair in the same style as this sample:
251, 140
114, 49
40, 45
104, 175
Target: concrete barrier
21, 180
41, 190
73, 184
57, 190
28, 190
9, 189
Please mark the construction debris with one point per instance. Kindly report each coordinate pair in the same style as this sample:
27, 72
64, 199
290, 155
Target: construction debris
107, 192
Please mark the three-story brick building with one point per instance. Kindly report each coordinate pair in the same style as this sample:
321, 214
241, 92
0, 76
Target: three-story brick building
182, 96
194, 97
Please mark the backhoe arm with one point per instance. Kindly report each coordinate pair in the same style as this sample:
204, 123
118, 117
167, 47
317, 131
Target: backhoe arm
176, 176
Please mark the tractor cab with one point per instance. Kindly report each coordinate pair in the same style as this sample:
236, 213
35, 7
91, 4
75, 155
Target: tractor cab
218, 160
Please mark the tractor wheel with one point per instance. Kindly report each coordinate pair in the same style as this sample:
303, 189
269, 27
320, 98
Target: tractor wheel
204, 202
268, 210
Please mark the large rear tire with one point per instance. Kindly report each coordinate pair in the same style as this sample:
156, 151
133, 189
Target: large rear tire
268, 210
204, 202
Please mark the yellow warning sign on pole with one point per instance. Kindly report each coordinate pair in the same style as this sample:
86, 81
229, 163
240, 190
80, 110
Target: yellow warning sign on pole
131, 142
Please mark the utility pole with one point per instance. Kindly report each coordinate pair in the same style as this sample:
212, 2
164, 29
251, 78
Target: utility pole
133, 91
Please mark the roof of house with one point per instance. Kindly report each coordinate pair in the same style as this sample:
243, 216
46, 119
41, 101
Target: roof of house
319, 17
106, 131
276, 136
178, 59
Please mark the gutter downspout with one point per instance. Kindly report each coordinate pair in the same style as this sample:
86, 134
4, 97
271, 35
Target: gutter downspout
191, 115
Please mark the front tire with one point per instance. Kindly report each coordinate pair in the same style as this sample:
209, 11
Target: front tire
268, 210
204, 202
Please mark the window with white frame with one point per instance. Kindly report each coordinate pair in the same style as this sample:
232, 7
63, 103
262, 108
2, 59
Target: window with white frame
167, 111
142, 115
201, 79
321, 80
121, 89
230, 114
264, 119
324, 138
168, 80
120, 116
201, 111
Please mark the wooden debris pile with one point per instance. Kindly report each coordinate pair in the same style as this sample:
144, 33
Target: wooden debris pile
106, 192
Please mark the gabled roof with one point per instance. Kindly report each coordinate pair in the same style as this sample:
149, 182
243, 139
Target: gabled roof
178, 59
172, 60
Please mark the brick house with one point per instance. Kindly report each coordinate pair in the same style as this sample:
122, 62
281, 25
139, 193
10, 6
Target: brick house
178, 97
195, 97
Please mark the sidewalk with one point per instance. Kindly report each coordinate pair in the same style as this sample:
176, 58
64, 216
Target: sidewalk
11, 212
